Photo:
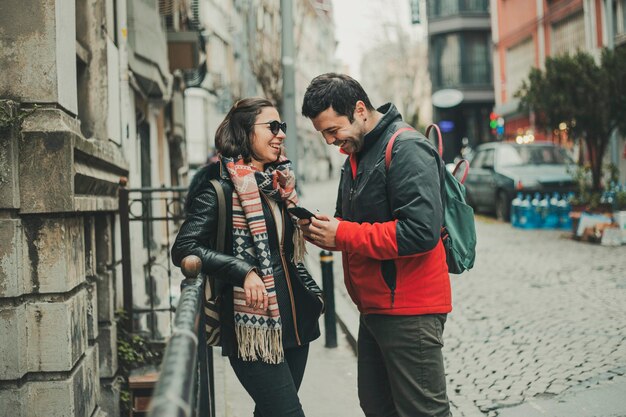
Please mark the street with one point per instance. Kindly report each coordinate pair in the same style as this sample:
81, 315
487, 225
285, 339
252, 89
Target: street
540, 317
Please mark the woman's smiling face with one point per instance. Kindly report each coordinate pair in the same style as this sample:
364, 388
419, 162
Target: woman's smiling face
266, 146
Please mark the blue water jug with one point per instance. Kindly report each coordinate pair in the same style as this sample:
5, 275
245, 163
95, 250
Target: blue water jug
552, 217
535, 206
544, 205
515, 207
565, 221
525, 213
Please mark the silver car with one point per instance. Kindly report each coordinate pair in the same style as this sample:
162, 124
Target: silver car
500, 170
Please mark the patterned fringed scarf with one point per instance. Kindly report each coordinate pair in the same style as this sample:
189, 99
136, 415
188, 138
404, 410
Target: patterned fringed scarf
259, 333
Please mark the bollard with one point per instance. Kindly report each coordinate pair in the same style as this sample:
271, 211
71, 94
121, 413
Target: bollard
330, 321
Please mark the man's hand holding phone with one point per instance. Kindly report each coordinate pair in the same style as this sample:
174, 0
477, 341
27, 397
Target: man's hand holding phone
300, 212
319, 229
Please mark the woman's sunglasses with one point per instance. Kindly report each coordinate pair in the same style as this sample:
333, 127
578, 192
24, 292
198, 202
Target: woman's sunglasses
275, 126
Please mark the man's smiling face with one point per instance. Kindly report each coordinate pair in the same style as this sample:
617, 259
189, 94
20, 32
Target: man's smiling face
337, 130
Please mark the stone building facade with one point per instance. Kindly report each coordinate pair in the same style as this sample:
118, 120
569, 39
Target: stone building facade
87, 95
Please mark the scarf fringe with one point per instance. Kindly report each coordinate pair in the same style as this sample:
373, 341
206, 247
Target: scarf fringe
260, 344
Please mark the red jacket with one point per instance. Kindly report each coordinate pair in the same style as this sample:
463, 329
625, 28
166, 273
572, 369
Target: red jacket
389, 233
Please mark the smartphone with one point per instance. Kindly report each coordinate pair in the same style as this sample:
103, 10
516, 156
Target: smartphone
300, 212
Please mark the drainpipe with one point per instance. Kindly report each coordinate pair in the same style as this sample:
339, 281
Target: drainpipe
610, 31
289, 82
541, 35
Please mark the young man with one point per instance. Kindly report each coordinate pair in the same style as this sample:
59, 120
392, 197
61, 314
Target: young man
387, 224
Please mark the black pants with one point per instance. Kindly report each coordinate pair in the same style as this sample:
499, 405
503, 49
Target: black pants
274, 388
400, 366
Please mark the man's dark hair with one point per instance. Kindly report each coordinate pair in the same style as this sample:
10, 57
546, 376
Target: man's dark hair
338, 91
234, 135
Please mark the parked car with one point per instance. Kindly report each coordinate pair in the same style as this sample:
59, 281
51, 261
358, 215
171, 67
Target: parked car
500, 170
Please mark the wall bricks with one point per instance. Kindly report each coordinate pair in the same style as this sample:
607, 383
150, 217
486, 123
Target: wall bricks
55, 248
106, 297
12, 400
107, 341
12, 342
9, 189
57, 333
75, 396
92, 311
13, 257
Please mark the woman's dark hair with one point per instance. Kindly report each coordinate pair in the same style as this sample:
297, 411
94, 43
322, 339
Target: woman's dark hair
234, 135
338, 91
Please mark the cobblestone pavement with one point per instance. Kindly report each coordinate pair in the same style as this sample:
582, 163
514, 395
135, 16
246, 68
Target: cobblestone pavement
538, 315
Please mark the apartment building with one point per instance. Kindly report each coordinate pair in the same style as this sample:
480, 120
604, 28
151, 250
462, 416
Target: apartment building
459, 37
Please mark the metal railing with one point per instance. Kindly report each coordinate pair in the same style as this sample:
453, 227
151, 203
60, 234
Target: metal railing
185, 387
159, 211
443, 8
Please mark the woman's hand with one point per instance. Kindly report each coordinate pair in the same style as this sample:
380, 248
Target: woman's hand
256, 294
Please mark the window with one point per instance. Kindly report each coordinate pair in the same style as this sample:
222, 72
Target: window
532, 155
488, 161
476, 58
620, 18
568, 35
446, 64
478, 160
519, 60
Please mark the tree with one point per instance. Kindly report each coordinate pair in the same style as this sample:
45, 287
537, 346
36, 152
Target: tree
265, 48
589, 98
264, 44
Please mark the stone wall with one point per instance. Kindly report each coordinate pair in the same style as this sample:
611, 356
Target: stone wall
58, 195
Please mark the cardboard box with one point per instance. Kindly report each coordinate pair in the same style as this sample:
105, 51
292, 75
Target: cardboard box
588, 220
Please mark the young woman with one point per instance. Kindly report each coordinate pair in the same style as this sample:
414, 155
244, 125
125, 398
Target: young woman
270, 305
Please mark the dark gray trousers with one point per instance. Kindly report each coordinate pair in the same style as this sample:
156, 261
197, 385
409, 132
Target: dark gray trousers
400, 366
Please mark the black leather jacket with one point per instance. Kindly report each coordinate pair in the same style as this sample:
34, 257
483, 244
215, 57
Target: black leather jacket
299, 297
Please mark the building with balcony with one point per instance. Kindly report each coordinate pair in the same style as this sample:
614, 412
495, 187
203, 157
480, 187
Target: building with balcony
459, 37
526, 32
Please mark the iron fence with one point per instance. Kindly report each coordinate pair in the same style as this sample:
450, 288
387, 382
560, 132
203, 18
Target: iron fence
148, 266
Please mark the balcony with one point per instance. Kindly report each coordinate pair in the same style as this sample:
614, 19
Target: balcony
446, 8
468, 74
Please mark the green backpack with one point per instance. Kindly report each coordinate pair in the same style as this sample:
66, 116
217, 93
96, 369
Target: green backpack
458, 232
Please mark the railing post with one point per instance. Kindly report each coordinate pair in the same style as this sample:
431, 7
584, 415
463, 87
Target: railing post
330, 321
125, 247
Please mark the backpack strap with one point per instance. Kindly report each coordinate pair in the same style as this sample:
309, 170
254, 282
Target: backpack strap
221, 216
390, 145
465, 172
439, 139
